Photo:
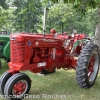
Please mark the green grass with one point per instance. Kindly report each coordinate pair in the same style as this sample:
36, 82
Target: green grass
60, 83
4, 67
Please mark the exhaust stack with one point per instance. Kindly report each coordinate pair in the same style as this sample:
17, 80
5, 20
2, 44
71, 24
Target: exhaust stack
44, 21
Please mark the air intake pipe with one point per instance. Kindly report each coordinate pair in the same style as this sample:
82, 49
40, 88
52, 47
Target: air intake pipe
44, 21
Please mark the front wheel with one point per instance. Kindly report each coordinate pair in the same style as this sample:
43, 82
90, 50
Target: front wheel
17, 86
3, 80
87, 66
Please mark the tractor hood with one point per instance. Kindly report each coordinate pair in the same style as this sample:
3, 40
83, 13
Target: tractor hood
4, 38
37, 40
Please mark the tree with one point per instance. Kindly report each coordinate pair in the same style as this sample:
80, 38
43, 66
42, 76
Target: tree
3, 4
82, 6
59, 15
28, 14
3, 14
63, 17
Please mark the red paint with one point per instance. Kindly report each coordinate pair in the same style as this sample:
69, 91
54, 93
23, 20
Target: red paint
91, 65
19, 88
29, 51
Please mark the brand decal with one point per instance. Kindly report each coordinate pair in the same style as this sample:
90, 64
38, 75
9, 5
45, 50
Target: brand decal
29, 43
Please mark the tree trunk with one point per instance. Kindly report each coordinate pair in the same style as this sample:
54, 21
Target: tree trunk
97, 32
97, 35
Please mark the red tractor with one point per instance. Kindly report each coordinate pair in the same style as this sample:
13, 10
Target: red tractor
37, 53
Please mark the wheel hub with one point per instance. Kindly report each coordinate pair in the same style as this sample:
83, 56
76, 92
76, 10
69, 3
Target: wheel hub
91, 66
20, 87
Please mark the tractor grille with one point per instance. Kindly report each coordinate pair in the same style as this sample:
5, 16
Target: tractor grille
17, 51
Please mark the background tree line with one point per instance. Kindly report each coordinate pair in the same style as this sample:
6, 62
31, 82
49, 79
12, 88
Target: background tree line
27, 15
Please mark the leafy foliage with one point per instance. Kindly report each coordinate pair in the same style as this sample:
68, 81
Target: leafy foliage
82, 5
3, 4
28, 13
62, 17
59, 15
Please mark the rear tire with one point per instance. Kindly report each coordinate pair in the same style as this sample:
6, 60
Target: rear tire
87, 66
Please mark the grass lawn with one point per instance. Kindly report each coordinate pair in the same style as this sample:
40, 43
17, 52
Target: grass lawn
59, 86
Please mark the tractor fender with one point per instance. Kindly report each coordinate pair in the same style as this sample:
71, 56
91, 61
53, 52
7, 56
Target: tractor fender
6, 51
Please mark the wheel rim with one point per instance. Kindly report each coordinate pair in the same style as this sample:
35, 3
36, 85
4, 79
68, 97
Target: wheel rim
93, 66
20, 88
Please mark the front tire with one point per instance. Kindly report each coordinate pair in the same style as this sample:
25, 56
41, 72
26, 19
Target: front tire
17, 86
87, 66
3, 80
